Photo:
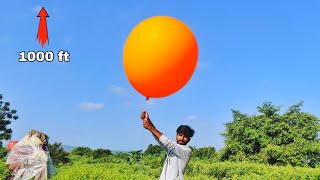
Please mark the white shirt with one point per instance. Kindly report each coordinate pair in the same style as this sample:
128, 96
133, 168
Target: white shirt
176, 161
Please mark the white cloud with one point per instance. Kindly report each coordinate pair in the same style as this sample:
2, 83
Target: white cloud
191, 118
120, 91
90, 106
36, 9
202, 64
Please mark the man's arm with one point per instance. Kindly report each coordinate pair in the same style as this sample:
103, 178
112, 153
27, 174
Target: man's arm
164, 142
149, 125
155, 132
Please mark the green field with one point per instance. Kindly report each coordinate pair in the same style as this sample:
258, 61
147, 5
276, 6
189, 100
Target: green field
150, 168
196, 170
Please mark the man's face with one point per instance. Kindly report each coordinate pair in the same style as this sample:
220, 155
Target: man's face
182, 140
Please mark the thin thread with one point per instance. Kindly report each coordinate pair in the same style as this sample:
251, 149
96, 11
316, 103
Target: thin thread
141, 156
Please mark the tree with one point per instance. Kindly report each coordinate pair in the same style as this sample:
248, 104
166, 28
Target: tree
135, 156
3, 152
6, 115
58, 154
204, 152
99, 153
82, 151
153, 150
273, 138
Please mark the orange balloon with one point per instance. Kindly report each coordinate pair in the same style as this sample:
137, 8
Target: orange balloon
160, 56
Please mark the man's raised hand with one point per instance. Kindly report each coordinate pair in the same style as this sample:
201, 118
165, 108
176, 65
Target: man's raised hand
147, 124
144, 115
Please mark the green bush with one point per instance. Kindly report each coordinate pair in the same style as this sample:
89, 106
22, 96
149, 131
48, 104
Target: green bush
106, 171
3, 152
4, 171
119, 167
231, 170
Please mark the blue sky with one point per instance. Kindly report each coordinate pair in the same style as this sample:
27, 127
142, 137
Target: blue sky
249, 52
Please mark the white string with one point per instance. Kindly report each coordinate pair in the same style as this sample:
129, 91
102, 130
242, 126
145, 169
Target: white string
143, 138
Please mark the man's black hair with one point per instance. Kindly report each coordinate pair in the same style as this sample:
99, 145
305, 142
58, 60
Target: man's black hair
185, 130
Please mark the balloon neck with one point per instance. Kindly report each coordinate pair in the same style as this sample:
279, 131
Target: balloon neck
147, 98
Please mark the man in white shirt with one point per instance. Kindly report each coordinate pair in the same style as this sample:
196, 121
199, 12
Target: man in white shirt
178, 152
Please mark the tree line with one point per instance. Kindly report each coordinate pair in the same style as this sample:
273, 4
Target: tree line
269, 137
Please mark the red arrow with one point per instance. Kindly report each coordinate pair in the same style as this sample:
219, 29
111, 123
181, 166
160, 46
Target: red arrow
42, 35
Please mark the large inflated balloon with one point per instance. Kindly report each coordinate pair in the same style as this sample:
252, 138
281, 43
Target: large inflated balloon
160, 56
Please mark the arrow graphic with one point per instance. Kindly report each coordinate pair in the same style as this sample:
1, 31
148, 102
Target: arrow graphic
42, 35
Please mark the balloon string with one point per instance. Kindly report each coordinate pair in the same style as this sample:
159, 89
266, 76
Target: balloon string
146, 103
141, 157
